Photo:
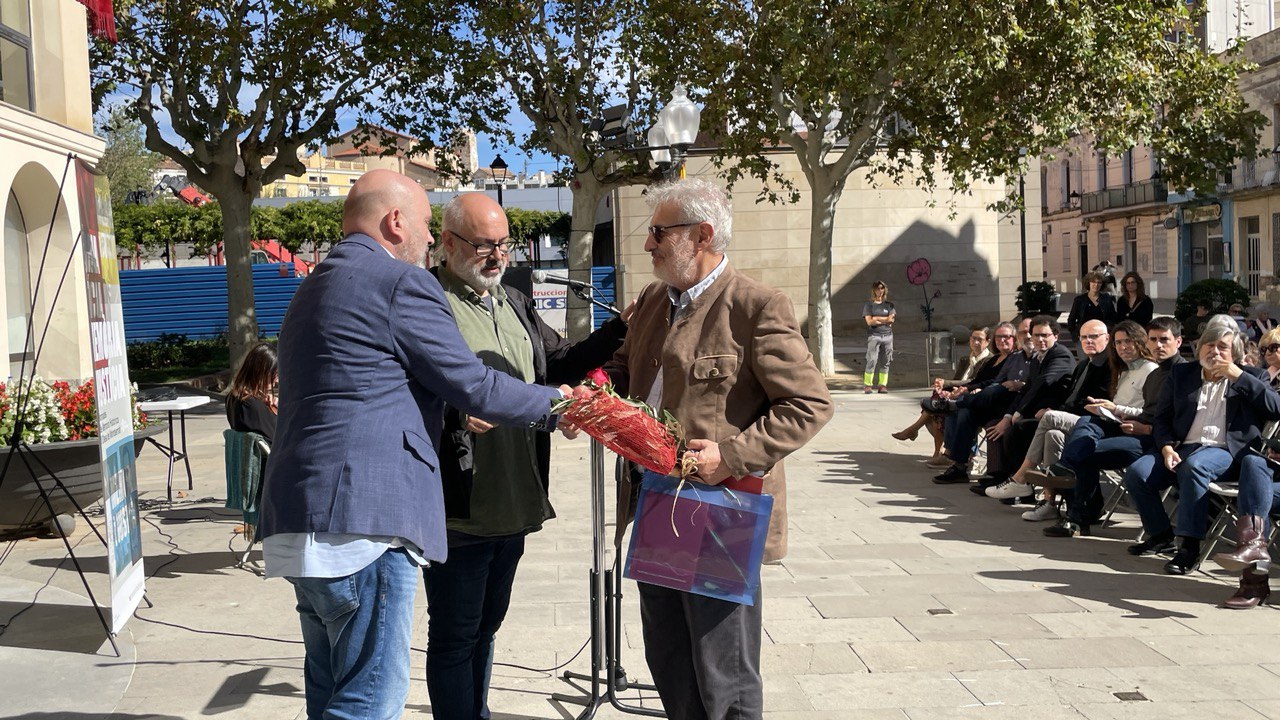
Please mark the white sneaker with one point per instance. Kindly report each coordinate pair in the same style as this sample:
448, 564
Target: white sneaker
1044, 510
1009, 489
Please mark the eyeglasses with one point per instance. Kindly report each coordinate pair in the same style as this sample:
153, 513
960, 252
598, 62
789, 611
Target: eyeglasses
486, 249
1004, 337
1083, 337
1271, 348
1046, 336
659, 231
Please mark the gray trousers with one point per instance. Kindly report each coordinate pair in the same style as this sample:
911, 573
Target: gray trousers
879, 355
1051, 435
704, 654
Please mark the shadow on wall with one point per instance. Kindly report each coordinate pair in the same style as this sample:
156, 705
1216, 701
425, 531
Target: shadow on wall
969, 289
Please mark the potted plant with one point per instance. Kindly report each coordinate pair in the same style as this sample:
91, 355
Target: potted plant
60, 425
1037, 297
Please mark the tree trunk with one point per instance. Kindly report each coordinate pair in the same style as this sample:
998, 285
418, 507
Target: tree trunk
242, 319
824, 195
587, 192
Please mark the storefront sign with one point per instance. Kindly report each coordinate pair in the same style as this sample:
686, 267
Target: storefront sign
112, 390
1202, 213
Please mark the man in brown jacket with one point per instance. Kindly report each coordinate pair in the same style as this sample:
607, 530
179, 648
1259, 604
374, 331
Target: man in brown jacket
723, 353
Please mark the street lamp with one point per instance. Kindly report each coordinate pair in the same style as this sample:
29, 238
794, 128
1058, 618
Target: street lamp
673, 134
500, 175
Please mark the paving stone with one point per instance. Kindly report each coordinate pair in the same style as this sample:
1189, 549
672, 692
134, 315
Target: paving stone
948, 655
1178, 684
1025, 603
974, 627
884, 690
1093, 624
881, 605
809, 659
994, 712
1263, 620
836, 630
1209, 650
951, 566
1084, 652
1023, 688
1171, 711
888, 551
921, 585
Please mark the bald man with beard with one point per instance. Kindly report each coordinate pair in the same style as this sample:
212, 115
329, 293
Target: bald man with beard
352, 504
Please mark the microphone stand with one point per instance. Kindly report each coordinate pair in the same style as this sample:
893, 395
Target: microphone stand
586, 293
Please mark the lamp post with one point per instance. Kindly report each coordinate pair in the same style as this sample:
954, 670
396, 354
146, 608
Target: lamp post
673, 134
1022, 214
500, 175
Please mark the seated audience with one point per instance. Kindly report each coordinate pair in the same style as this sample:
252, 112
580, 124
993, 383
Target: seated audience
1092, 378
1131, 365
1269, 349
1047, 379
1261, 324
251, 399
1259, 497
980, 405
1207, 414
980, 344
1094, 304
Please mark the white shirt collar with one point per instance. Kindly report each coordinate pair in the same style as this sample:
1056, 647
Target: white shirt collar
683, 299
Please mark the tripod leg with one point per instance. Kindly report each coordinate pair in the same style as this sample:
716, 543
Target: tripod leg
63, 487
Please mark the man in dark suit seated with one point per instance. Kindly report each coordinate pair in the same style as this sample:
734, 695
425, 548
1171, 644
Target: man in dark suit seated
352, 505
1048, 380
1207, 414
495, 478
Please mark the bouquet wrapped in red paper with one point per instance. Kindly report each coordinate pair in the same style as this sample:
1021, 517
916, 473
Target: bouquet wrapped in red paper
631, 428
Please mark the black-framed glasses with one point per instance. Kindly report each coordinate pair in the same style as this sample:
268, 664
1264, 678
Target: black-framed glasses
1082, 337
486, 249
659, 231
1271, 348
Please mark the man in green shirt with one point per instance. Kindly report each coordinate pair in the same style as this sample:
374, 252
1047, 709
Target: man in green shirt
495, 478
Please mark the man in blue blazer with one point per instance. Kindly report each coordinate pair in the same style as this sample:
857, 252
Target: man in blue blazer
1207, 414
352, 504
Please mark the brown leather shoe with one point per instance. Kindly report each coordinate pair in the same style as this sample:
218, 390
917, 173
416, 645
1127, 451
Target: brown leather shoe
1251, 551
1253, 591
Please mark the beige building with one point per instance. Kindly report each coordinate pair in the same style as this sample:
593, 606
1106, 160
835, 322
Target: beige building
1097, 207
1252, 192
392, 151
879, 229
325, 177
45, 116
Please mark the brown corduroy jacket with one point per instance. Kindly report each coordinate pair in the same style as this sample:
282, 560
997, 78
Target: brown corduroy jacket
735, 370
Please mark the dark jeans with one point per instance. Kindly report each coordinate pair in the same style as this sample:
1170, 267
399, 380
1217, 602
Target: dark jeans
1007, 453
356, 631
972, 412
704, 654
1259, 491
467, 599
1092, 447
1148, 476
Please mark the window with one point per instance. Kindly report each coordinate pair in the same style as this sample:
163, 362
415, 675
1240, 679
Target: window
17, 283
1127, 167
1066, 253
1102, 171
1160, 249
1104, 245
15, 54
1131, 248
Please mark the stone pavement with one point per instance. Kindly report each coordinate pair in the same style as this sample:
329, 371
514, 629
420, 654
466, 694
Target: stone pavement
899, 599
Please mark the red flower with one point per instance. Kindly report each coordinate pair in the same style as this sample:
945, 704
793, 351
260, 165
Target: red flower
599, 377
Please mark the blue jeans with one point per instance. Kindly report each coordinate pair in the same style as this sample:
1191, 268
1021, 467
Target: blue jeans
1091, 448
356, 630
1147, 477
467, 599
1259, 491
972, 412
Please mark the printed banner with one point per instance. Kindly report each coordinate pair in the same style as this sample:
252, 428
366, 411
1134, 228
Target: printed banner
112, 390
552, 302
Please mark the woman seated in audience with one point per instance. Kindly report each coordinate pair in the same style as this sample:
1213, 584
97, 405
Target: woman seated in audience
251, 399
966, 371
1269, 349
1133, 303
1261, 324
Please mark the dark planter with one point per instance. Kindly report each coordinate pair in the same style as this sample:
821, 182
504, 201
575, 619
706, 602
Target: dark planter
76, 463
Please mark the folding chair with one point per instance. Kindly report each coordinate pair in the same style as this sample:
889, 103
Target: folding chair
246, 459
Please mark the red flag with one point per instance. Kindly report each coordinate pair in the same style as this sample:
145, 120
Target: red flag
102, 18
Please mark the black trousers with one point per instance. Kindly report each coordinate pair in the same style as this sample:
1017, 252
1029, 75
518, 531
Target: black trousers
704, 654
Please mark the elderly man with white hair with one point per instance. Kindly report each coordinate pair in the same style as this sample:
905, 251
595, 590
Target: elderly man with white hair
1208, 413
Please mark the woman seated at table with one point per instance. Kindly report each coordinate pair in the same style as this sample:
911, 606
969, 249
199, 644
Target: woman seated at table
251, 399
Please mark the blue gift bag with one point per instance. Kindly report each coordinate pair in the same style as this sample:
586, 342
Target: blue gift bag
702, 539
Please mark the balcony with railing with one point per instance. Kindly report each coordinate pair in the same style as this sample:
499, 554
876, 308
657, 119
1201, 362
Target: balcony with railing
1131, 195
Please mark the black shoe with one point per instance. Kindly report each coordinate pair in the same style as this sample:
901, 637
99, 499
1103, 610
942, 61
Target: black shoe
1066, 528
953, 475
1185, 560
984, 482
1158, 544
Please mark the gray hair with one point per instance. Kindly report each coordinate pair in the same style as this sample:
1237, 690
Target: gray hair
452, 216
700, 201
1217, 328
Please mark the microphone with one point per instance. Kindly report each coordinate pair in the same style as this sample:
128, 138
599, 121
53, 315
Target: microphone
541, 276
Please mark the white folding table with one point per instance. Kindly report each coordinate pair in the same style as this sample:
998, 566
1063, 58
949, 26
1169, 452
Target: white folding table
178, 405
